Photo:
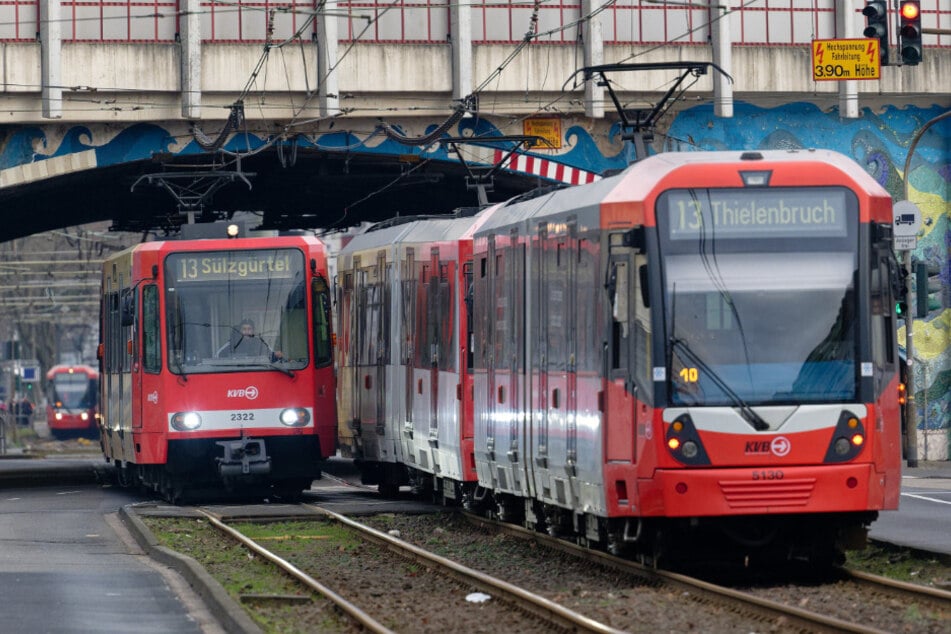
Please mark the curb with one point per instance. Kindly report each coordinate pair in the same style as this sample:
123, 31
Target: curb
80, 473
229, 614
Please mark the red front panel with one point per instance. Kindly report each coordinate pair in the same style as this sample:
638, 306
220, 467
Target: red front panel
760, 491
233, 405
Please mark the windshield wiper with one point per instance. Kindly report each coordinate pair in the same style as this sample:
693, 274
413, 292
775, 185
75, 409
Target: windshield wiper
745, 410
181, 369
274, 366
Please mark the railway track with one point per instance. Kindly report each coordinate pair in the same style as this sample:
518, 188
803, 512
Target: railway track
511, 608
856, 602
931, 606
629, 597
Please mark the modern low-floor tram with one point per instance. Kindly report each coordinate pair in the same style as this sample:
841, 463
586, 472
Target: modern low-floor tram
695, 355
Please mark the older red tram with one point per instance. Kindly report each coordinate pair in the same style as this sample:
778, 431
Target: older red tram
217, 365
72, 402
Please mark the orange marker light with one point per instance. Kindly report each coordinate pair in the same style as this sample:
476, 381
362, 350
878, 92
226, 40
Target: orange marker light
901, 393
678, 426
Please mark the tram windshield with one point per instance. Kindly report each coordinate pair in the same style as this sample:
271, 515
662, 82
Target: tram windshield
757, 316
74, 391
236, 311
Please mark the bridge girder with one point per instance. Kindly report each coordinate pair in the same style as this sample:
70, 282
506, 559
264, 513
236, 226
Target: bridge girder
314, 189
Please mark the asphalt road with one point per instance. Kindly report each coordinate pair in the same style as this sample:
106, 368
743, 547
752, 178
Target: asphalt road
68, 565
923, 518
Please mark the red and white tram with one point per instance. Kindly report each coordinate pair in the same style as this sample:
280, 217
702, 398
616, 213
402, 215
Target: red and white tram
697, 354
72, 402
404, 384
217, 365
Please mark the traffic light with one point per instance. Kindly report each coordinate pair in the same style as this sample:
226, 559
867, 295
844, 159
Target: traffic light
876, 26
901, 308
909, 33
900, 290
928, 289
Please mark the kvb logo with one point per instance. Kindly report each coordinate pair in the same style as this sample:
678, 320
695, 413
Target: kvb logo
250, 393
780, 446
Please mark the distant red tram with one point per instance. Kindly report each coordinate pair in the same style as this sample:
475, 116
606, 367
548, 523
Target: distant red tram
696, 356
72, 402
217, 365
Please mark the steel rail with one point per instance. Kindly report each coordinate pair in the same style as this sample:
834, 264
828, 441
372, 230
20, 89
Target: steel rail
350, 609
765, 606
913, 590
537, 605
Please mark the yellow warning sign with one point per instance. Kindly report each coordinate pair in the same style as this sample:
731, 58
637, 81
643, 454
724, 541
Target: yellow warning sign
835, 60
548, 129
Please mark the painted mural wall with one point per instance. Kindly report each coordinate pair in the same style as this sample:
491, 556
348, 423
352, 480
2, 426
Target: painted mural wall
880, 141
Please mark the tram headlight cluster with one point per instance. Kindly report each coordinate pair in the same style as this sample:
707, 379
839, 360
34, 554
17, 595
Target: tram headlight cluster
295, 417
683, 441
186, 421
848, 438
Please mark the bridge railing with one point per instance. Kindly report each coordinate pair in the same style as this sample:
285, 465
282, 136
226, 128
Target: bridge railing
428, 21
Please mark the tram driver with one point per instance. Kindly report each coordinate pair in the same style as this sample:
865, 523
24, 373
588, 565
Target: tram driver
244, 342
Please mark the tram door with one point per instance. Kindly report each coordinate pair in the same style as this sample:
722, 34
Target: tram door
383, 272
148, 367
515, 362
437, 309
628, 354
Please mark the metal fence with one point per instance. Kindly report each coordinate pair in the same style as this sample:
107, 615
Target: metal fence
630, 22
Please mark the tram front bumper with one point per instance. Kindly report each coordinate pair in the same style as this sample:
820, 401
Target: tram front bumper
243, 457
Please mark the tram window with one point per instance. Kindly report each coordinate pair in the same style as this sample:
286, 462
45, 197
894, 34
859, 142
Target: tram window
642, 329
322, 339
446, 330
152, 352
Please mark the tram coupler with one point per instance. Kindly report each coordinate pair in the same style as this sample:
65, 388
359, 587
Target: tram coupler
246, 456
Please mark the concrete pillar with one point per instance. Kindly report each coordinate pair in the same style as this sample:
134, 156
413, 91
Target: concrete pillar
328, 91
593, 56
51, 46
190, 46
460, 27
722, 42
847, 27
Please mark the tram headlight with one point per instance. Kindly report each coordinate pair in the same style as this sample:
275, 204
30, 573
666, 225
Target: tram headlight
842, 446
84, 416
690, 449
295, 417
58, 415
186, 421
848, 438
684, 442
